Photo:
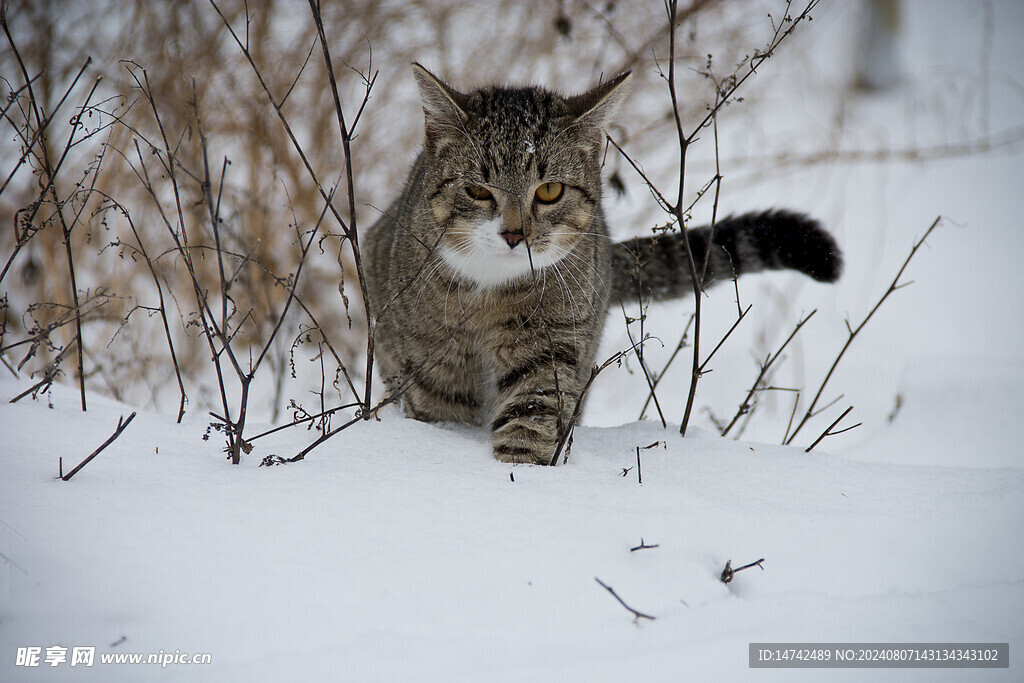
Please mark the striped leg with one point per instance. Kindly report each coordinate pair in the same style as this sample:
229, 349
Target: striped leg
441, 389
537, 387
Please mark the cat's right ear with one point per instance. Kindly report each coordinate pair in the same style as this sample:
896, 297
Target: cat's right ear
443, 107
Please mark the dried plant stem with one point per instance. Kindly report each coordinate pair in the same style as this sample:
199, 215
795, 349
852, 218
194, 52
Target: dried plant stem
636, 614
48, 376
828, 430
182, 398
747, 405
853, 332
179, 236
725, 91
304, 420
50, 172
679, 347
350, 229
40, 130
742, 315
644, 546
651, 381
348, 226
566, 434
678, 213
122, 424
729, 573
233, 429
326, 435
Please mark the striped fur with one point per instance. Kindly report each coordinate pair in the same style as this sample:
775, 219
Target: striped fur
657, 267
489, 297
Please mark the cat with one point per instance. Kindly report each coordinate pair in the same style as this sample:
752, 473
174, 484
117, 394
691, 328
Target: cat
490, 277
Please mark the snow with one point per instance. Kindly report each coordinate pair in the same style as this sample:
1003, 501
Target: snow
436, 555
402, 551
392, 562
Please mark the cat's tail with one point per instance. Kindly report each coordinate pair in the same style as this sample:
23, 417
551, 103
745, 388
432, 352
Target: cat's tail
657, 268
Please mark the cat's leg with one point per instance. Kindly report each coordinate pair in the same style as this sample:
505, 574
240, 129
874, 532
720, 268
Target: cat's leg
536, 390
436, 387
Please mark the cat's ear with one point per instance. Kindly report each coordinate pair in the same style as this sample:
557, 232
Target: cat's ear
443, 106
598, 106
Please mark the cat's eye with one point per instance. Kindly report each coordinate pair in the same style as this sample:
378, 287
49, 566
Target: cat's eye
549, 193
478, 192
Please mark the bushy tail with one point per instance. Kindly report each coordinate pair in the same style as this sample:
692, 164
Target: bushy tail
656, 267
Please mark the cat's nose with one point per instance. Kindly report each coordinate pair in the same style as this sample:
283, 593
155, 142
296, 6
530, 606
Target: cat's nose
513, 238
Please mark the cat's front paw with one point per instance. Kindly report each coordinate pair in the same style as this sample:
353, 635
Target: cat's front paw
519, 454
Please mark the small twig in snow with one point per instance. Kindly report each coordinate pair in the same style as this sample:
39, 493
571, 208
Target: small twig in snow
644, 546
728, 573
122, 424
637, 615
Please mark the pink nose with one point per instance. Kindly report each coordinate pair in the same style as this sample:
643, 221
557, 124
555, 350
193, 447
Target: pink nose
513, 238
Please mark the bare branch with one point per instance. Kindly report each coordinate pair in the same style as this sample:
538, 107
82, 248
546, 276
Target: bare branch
636, 615
746, 405
828, 431
853, 333
729, 573
644, 546
122, 424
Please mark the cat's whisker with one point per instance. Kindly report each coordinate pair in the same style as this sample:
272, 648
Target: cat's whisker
579, 287
567, 296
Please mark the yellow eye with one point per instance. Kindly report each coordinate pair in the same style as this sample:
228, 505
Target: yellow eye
478, 192
549, 193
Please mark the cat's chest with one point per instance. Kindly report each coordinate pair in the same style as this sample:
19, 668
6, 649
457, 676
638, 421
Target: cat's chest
496, 310
523, 311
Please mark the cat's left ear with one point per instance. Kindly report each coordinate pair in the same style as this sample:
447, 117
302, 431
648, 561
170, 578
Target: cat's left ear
598, 106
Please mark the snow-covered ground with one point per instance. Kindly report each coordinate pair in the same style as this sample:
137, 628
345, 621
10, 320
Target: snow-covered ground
402, 551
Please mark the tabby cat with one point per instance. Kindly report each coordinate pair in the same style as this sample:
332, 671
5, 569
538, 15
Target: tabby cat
490, 276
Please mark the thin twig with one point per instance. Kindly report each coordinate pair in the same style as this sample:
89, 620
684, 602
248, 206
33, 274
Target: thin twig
48, 376
644, 546
348, 226
725, 92
182, 398
651, 381
304, 251
351, 230
722, 340
637, 615
566, 433
852, 333
303, 420
679, 347
51, 171
677, 211
180, 236
746, 405
728, 573
122, 424
828, 431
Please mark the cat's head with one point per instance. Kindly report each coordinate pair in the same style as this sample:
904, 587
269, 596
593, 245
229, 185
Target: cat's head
512, 176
